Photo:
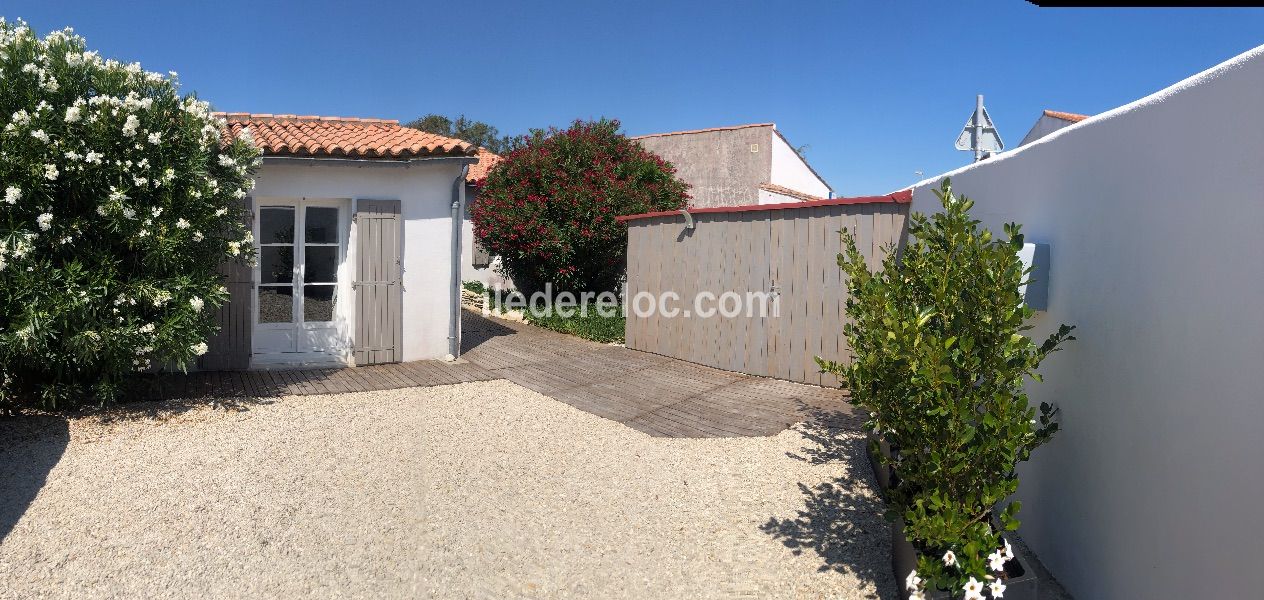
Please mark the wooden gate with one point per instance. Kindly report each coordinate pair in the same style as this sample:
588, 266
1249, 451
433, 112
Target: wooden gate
787, 252
378, 293
229, 348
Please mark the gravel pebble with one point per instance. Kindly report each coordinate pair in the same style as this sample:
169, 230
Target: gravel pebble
477, 490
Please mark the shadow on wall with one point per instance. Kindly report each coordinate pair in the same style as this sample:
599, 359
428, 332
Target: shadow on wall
841, 521
29, 449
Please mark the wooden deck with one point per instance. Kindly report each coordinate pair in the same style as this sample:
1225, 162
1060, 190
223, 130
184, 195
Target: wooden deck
659, 395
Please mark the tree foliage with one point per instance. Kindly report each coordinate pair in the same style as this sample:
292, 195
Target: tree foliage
120, 201
940, 362
548, 209
475, 132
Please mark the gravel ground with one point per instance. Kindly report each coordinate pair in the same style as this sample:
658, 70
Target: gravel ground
477, 490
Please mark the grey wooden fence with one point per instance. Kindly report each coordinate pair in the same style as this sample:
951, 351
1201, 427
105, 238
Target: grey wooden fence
788, 250
229, 348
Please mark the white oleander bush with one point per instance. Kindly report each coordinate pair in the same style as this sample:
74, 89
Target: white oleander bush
120, 199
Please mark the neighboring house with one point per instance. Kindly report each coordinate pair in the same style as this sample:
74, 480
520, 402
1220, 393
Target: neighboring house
1050, 122
738, 165
354, 223
476, 263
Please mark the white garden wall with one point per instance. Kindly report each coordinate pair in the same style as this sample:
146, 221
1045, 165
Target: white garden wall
1154, 214
425, 193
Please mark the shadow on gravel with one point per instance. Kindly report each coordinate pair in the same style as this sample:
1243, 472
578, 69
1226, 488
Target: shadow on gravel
30, 446
841, 521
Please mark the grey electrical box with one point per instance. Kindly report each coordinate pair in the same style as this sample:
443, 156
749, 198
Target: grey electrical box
1036, 291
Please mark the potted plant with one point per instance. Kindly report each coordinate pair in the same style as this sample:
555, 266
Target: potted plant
940, 363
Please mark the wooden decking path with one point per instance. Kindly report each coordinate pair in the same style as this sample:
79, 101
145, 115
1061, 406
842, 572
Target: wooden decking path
658, 395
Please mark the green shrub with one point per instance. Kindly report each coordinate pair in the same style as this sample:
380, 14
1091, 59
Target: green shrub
592, 326
120, 200
548, 208
940, 362
474, 286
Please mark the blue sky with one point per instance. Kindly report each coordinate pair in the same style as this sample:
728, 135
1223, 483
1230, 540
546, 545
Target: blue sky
875, 90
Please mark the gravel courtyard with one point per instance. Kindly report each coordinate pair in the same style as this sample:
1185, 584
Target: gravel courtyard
476, 490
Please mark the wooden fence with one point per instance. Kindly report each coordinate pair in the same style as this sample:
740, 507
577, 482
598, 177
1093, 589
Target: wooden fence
788, 251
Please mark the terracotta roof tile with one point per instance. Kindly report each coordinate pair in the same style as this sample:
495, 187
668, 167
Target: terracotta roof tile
486, 160
785, 191
341, 137
729, 128
1066, 116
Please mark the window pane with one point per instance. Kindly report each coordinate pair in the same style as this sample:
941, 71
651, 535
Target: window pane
322, 264
318, 303
276, 225
276, 264
321, 225
276, 304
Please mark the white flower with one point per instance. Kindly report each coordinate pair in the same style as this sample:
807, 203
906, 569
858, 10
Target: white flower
45, 221
998, 589
234, 248
950, 559
239, 193
131, 125
92, 157
146, 328
197, 236
199, 349
40, 135
157, 210
1009, 551
196, 303
250, 237
155, 138
73, 114
142, 233
117, 195
973, 589
51, 172
12, 194
182, 224
139, 181
996, 561
226, 161
913, 583
128, 212
21, 117
221, 212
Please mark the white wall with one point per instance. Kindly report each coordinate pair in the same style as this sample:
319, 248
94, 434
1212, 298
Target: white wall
1154, 214
425, 194
790, 170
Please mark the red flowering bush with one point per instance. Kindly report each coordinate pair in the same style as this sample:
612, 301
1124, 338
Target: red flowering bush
548, 209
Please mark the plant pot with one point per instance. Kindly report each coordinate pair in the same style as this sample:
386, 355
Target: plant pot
1020, 581
881, 472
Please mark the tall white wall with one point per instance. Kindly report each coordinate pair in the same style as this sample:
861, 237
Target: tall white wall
790, 170
1154, 215
425, 194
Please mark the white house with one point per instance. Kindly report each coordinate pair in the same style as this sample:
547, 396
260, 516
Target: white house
357, 223
476, 263
1153, 214
1049, 122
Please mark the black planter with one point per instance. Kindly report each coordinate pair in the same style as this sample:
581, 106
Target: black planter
1020, 583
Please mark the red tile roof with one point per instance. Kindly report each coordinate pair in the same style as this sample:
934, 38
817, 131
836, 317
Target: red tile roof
1066, 116
342, 137
729, 128
785, 191
486, 160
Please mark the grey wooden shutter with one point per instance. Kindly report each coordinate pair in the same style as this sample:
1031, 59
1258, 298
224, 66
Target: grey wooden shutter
481, 259
229, 348
378, 292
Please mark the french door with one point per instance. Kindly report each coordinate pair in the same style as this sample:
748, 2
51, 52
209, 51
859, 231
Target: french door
302, 250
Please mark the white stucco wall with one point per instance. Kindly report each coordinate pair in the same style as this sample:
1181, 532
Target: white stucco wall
425, 193
1153, 214
789, 170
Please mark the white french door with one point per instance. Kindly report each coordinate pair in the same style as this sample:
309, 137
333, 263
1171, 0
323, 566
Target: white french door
299, 308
